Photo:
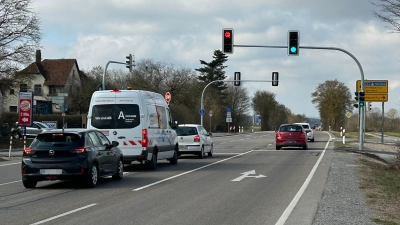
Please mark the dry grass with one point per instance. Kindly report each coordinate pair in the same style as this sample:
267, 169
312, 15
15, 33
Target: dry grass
381, 184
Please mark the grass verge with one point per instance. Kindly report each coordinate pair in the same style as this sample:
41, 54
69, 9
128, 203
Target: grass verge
380, 183
16, 143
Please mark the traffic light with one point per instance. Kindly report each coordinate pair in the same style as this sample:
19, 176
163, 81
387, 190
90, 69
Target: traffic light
129, 62
275, 78
227, 40
293, 42
236, 78
355, 105
361, 99
356, 98
369, 106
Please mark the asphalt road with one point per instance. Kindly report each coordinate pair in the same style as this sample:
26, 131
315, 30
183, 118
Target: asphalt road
247, 181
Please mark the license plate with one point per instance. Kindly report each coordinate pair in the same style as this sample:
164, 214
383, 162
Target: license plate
51, 171
290, 142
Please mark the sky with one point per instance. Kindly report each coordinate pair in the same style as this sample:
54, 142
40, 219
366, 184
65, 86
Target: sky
182, 32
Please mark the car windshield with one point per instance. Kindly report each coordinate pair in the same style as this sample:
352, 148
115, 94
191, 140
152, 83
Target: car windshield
186, 131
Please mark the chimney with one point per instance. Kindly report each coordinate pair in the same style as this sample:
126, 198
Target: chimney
38, 56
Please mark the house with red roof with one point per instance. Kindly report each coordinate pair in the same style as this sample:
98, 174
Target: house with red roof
53, 80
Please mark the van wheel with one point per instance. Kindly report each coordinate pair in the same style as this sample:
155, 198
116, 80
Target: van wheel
174, 159
211, 152
152, 165
16, 135
201, 154
29, 183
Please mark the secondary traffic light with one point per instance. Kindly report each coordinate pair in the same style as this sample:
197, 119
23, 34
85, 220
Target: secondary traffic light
356, 98
236, 78
129, 62
369, 106
293, 42
361, 99
275, 78
227, 40
355, 105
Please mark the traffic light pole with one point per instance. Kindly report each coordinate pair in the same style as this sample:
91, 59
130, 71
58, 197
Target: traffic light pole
362, 112
105, 71
202, 94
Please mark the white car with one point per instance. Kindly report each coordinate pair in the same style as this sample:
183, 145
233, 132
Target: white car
309, 130
194, 139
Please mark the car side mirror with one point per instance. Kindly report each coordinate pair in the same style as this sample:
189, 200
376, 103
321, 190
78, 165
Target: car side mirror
210, 134
114, 143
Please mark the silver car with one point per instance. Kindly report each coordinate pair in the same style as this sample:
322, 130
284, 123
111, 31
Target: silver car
194, 139
17, 131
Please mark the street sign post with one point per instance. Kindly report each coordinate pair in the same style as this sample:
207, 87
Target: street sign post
25, 108
373, 86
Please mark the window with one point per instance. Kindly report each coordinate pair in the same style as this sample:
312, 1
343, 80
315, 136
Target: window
103, 139
13, 109
11, 91
38, 89
52, 90
94, 139
23, 87
115, 116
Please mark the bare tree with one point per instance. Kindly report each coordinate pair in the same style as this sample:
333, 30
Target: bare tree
264, 103
20, 36
389, 13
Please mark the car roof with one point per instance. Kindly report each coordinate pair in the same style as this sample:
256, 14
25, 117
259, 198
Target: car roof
302, 123
68, 130
189, 125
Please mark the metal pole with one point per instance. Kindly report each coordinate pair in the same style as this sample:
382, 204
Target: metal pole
105, 71
383, 118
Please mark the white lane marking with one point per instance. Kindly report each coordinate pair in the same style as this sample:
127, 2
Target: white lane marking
190, 171
11, 182
223, 143
225, 153
296, 198
247, 138
64, 214
233, 141
248, 174
10, 164
269, 144
300, 150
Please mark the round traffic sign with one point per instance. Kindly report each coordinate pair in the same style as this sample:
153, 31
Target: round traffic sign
210, 113
168, 97
201, 111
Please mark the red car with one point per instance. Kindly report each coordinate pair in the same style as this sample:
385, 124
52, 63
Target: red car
291, 135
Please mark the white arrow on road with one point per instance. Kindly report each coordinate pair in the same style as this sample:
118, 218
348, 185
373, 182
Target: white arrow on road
247, 174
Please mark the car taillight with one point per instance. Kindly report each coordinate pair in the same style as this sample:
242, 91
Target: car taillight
145, 139
29, 151
196, 138
302, 134
79, 150
278, 135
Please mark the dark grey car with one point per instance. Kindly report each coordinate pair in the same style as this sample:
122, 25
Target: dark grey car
71, 154
17, 131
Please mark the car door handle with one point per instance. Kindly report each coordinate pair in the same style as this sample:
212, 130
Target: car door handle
121, 137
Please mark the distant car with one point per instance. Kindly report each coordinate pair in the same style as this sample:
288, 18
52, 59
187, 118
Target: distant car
17, 131
309, 130
291, 135
71, 154
194, 139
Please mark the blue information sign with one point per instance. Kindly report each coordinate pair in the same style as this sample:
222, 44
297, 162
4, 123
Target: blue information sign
201, 111
228, 109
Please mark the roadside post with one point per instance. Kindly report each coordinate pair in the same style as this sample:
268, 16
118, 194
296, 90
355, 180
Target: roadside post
344, 136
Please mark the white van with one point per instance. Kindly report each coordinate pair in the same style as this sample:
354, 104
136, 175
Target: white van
139, 120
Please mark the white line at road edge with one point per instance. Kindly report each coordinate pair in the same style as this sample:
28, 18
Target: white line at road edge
10, 164
10, 182
64, 214
181, 174
296, 198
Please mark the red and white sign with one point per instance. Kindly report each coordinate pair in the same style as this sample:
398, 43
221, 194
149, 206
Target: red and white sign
25, 108
168, 97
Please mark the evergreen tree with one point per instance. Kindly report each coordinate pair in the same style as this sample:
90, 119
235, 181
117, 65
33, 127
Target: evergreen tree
214, 70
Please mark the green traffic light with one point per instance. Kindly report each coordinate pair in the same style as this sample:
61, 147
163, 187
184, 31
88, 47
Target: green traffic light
293, 49
361, 104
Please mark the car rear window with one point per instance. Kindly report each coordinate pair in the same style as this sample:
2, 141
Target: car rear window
57, 140
305, 126
290, 128
186, 131
115, 116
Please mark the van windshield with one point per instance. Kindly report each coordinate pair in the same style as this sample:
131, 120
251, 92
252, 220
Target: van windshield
115, 116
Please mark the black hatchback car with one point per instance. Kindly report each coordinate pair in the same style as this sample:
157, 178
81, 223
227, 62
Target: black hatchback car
71, 154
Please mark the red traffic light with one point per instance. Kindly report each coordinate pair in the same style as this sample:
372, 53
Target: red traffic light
168, 97
228, 34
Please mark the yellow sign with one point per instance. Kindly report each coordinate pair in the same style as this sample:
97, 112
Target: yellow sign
348, 114
376, 97
373, 86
